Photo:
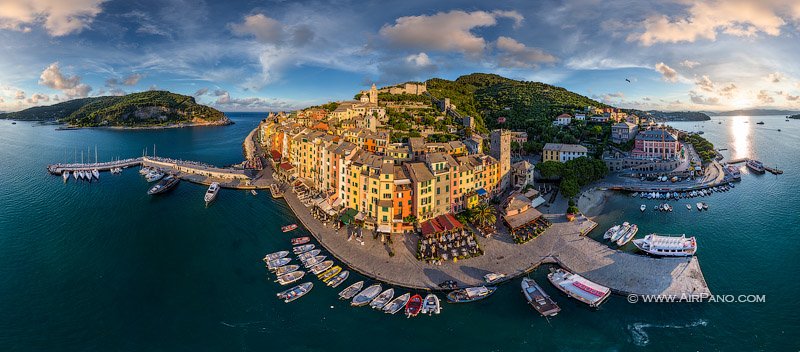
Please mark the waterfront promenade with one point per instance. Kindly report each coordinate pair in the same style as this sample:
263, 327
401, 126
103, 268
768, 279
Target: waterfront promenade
563, 244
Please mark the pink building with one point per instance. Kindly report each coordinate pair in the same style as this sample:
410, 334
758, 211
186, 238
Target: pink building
656, 144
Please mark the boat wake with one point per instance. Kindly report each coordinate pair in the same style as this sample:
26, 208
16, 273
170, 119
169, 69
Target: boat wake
641, 338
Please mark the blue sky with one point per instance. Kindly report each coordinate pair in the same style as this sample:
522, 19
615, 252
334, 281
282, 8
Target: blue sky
282, 55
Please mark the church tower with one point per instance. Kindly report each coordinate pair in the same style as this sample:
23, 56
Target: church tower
373, 94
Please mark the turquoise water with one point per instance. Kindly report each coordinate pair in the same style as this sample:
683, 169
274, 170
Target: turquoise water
103, 266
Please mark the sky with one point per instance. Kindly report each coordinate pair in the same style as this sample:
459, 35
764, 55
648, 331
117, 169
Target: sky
282, 55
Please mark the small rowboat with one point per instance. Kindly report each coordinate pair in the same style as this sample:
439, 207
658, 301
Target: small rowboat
276, 255
288, 228
297, 292
300, 240
286, 269
321, 267
413, 306
330, 273
338, 279
290, 277
351, 291
431, 305
302, 249
382, 299
308, 255
274, 264
366, 296
397, 304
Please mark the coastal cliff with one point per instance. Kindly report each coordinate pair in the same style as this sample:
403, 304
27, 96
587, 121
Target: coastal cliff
144, 109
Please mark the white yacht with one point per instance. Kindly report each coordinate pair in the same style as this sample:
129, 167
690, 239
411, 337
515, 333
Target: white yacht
622, 230
579, 288
154, 175
96, 173
643, 207
211, 193
611, 231
65, 175
668, 246
628, 235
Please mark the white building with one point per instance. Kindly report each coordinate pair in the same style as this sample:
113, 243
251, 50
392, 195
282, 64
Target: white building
563, 120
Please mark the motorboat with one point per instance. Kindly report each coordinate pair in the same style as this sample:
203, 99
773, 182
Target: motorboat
276, 255
643, 207
283, 270
366, 296
338, 279
667, 246
470, 294
351, 290
579, 288
297, 292
330, 273
253, 192
760, 123
491, 278
539, 299
431, 304
291, 277
611, 231
625, 227
689, 207
211, 193
300, 240
144, 170
154, 175
625, 238
413, 306
321, 267
165, 185
397, 304
277, 263
302, 249
705, 205
756, 166
308, 263
699, 205
308, 255
288, 228
382, 299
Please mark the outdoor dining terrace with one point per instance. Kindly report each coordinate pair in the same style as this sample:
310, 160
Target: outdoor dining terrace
445, 238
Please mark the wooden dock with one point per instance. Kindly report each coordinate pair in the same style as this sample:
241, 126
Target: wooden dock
774, 170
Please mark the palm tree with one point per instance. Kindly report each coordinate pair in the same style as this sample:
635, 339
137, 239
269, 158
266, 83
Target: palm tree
484, 215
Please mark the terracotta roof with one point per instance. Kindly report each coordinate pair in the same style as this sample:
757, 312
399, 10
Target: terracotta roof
439, 224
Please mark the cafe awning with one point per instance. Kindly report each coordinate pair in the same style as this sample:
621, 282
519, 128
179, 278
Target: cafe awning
385, 228
348, 216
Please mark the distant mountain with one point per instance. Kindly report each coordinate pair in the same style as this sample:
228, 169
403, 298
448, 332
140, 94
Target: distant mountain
523, 104
151, 108
755, 112
674, 115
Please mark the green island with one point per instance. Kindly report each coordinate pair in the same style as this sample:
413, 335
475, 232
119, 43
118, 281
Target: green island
137, 110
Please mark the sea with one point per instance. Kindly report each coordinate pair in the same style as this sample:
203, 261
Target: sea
102, 266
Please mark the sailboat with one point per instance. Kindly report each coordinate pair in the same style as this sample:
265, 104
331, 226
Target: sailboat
65, 175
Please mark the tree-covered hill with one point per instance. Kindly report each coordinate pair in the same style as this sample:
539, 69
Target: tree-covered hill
151, 108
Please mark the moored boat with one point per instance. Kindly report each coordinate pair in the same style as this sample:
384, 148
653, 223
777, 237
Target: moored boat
643, 207
165, 185
413, 306
624, 228
289, 227
579, 288
539, 299
382, 299
274, 264
756, 166
291, 277
96, 174
705, 206
308, 255
321, 267
286, 269
330, 273
153, 175
689, 206
338, 279
628, 235
397, 304
75, 175
491, 278
297, 292
351, 290
302, 249
611, 231
470, 294
667, 246
276, 255
300, 240
449, 284
65, 175
211, 193
310, 262
367, 295
431, 304
699, 205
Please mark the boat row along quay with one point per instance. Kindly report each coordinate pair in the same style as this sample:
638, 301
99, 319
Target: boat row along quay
192, 171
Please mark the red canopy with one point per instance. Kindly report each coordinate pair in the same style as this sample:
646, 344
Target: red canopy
440, 223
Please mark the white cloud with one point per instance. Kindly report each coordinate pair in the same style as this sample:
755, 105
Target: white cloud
268, 30
130, 80
445, 31
689, 64
36, 98
226, 102
59, 17
728, 90
702, 100
705, 83
705, 19
19, 95
70, 85
668, 74
200, 92
775, 77
764, 97
516, 54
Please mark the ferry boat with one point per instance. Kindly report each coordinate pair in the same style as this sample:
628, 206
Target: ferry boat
288, 228
538, 299
491, 278
755, 165
470, 294
431, 304
211, 193
351, 290
165, 185
338, 279
366, 296
300, 240
382, 299
625, 238
624, 228
611, 231
397, 304
291, 277
667, 246
413, 306
579, 288
297, 292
